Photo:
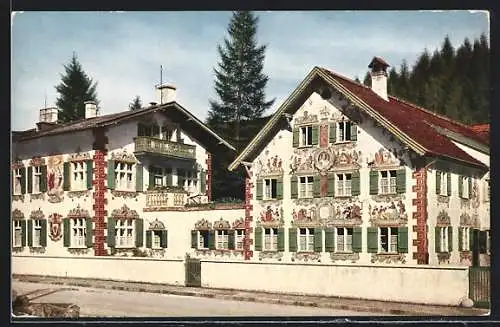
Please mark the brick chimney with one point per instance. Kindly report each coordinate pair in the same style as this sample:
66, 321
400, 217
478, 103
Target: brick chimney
165, 93
378, 74
48, 118
91, 110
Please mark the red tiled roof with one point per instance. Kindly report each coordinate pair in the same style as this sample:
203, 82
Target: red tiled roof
415, 121
483, 130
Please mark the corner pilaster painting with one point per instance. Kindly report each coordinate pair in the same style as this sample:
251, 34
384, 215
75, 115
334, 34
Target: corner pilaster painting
55, 178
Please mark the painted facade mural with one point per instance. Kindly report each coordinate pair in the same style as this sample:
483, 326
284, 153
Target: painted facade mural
272, 215
55, 177
55, 222
393, 213
269, 165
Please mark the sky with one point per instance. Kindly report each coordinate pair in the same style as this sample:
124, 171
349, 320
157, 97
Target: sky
123, 51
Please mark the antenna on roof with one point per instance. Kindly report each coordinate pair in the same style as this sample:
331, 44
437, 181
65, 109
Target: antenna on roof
161, 82
45, 106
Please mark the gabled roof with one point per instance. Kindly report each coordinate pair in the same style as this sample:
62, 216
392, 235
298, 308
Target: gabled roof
483, 130
175, 111
427, 133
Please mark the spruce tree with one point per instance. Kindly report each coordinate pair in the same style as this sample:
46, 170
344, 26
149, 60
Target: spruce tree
239, 80
75, 88
136, 103
367, 81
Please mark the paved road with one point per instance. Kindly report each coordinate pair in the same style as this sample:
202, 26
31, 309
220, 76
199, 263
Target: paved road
113, 303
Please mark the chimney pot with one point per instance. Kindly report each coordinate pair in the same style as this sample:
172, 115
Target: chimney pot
166, 93
91, 110
378, 75
49, 115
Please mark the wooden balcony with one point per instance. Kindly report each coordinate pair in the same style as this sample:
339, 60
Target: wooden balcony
151, 145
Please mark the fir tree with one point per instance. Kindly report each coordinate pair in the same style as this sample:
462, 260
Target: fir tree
136, 103
239, 80
367, 80
75, 88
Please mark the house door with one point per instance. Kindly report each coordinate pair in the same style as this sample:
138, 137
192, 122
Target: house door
193, 272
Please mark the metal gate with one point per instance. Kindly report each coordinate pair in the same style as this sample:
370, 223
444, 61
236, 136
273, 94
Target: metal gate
193, 272
480, 286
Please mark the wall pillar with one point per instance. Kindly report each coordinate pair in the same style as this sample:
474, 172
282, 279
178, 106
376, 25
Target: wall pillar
420, 216
248, 240
99, 198
209, 176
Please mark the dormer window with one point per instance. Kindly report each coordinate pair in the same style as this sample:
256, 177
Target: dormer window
343, 131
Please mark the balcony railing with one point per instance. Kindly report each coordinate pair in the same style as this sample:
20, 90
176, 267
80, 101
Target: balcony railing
173, 149
157, 199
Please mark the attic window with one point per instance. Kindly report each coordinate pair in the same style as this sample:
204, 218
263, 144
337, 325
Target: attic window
306, 136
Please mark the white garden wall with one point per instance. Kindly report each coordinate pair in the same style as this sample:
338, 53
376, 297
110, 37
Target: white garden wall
146, 270
403, 283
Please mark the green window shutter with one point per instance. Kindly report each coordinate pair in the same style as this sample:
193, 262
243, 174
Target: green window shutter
23, 180
448, 180
139, 232
373, 182
169, 176
438, 182
355, 183
471, 239
437, 234
279, 188
149, 239
89, 233
151, 177
460, 236
331, 185
30, 180
330, 239
281, 239
111, 232
318, 240
450, 239
43, 233
164, 239
30, 232
66, 232
354, 132
356, 239
295, 137
315, 135
139, 180
460, 185
203, 181
257, 239
111, 174
292, 239
43, 182
294, 187
194, 239
211, 240
372, 239
403, 239
66, 177
401, 181
90, 173
259, 189
470, 187
231, 239
23, 233
317, 186
333, 133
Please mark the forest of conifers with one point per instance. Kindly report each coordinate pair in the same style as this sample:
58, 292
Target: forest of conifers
451, 81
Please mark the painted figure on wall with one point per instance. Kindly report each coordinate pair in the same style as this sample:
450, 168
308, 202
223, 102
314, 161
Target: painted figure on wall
55, 227
391, 211
269, 215
55, 178
303, 215
348, 212
384, 157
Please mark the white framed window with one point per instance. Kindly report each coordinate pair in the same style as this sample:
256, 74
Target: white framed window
37, 232
305, 187
239, 235
306, 239
156, 239
388, 239
443, 239
157, 173
343, 131
343, 184
124, 233
387, 181
37, 179
78, 232
444, 183
190, 180
270, 188
17, 181
78, 176
18, 234
124, 176
305, 138
203, 239
270, 239
465, 187
222, 239
465, 241
343, 239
